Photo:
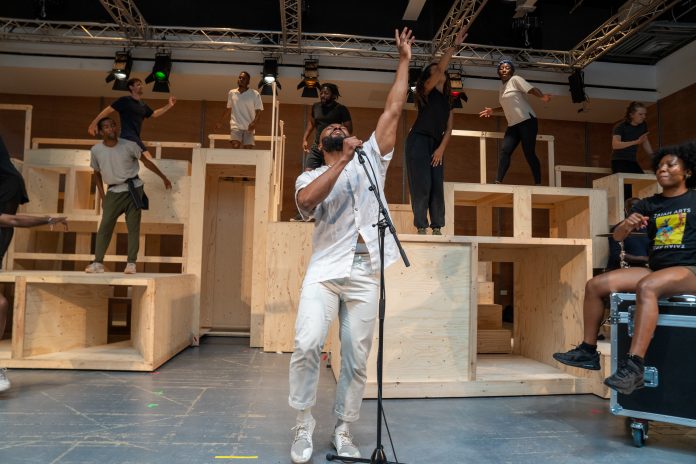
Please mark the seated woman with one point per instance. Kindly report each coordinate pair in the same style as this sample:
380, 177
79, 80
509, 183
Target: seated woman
670, 218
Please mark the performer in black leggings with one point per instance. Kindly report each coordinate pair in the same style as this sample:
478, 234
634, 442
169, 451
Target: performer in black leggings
522, 122
626, 137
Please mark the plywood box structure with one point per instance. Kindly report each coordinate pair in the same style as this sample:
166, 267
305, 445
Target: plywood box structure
60, 320
573, 212
642, 185
431, 333
60, 183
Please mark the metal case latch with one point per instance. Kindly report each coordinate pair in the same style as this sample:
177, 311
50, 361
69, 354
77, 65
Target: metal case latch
651, 377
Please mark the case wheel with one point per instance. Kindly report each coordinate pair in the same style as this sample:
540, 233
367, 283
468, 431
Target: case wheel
639, 432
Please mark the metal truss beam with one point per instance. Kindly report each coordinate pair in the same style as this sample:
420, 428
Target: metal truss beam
291, 22
632, 17
128, 18
268, 42
462, 14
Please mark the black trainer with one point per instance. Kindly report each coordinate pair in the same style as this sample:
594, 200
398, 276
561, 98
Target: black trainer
627, 378
577, 357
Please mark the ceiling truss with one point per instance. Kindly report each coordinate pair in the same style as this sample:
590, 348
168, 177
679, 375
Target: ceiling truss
131, 29
291, 22
128, 18
631, 17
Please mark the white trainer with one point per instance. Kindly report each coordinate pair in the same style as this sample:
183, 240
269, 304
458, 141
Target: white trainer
4, 381
343, 442
130, 269
94, 268
301, 451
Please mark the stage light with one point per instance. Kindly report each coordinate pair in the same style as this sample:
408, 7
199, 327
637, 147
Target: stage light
269, 76
577, 87
120, 70
414, 73
310, 79
160, 72
457, 93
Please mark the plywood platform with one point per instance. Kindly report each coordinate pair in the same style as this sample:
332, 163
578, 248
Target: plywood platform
496, 375
60, 320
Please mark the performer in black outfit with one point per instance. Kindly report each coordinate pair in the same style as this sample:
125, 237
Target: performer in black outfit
327, 111
426, 143
670, 218
12, 194
132, 110
627, 135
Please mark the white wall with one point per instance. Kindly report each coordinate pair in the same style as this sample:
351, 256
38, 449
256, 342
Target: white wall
677, 71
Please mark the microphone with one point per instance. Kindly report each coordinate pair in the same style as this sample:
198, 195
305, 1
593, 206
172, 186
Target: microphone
361, 154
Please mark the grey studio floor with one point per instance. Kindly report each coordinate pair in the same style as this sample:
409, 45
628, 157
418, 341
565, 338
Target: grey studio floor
223, 401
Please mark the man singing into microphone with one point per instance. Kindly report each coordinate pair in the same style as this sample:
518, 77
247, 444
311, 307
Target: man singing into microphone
342, 277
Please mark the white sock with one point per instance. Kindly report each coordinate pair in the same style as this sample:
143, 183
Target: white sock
304, 415
342, 426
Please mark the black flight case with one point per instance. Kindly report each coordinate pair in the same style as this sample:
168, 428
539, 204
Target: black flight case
669, 394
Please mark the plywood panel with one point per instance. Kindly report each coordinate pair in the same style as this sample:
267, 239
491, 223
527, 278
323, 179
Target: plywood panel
287, 257
62, 317
427, 316
494, 341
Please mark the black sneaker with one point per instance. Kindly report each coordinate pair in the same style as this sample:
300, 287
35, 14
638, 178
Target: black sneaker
578, 357
627, 378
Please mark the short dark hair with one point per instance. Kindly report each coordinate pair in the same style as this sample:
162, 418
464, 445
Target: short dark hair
101, 121
685, 152
333, 88
131, 82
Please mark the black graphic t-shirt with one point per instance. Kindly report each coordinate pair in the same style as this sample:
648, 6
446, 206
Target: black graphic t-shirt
132, 113
671, 229
628, 133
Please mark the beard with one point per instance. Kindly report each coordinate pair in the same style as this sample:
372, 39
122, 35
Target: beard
331, 144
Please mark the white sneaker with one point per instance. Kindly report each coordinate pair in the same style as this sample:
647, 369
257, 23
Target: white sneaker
302, 449
94, 268
130, 269
4, 381
343, 442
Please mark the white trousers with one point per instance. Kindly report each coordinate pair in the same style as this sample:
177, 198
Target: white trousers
355, 300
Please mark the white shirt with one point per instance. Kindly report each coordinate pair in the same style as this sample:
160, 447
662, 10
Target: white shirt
349, 210
513, 100
243, 106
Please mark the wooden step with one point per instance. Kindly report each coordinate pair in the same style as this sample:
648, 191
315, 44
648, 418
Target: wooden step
494, 341
485, 293
490, 317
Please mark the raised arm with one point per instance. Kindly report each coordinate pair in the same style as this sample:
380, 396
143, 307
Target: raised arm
160, 111
443, 63
92, 129
21, 220
385, 132
545, 97
153, 167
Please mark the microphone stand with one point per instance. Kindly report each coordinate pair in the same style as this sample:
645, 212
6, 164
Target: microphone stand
384, 222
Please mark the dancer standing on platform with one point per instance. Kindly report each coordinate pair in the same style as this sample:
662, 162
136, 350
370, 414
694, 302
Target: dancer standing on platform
132, 110
342, 277
670, 218
325, 112
244, 108
427, 141
521, 119
627, 136
7, 222
115, 162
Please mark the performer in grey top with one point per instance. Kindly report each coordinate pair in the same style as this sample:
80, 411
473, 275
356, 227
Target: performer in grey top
115, 162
